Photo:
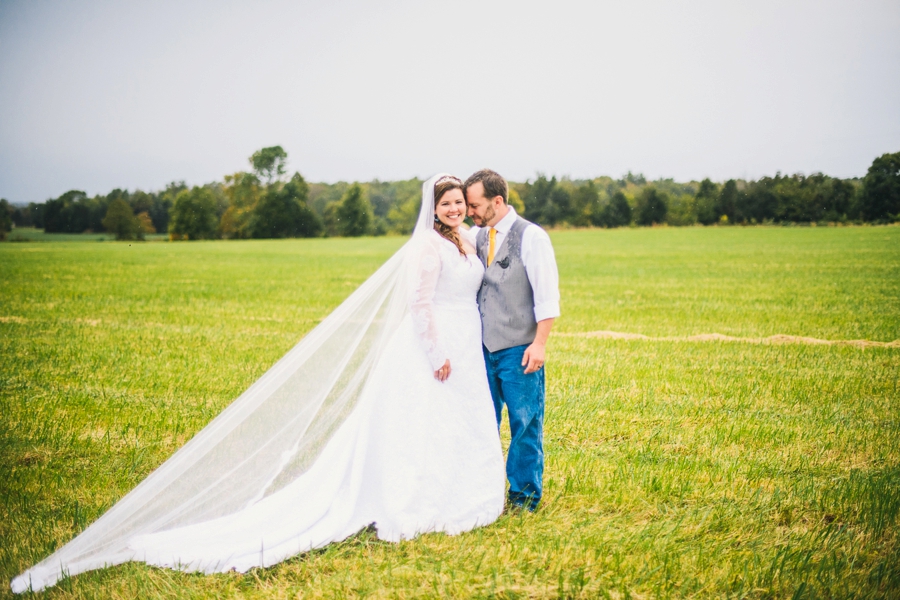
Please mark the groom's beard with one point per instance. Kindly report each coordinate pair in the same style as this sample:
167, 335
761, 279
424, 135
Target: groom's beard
489, 213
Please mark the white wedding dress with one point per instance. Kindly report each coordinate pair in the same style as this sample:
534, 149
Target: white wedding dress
349, 429
416, 455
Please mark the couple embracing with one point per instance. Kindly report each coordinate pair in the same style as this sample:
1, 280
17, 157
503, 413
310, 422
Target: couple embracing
518, 301
385, 415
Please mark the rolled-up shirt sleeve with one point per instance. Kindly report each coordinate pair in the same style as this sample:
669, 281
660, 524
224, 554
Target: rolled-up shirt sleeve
540, 266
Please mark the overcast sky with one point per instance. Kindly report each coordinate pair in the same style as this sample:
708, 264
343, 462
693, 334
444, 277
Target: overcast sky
98, 95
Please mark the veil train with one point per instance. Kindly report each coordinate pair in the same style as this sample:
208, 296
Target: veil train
268, 437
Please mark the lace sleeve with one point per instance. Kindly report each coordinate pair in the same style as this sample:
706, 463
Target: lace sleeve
422, 304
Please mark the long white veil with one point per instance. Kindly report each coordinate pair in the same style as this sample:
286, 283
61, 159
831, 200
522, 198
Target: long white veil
267, 437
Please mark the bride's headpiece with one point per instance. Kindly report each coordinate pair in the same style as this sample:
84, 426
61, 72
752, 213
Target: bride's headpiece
444, 178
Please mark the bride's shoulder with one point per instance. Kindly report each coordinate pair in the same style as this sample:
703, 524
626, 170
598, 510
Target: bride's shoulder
438, 241
435, 239
448, 249
433, 244
469, 234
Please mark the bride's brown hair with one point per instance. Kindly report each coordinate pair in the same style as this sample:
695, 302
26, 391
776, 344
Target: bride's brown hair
441, 187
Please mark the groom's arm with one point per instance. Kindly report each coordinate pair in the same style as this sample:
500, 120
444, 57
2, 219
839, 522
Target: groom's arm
540, 266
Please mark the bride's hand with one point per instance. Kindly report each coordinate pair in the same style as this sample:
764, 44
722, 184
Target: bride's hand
444, 372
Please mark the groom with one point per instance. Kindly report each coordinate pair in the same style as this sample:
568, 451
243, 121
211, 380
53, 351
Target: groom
518, 300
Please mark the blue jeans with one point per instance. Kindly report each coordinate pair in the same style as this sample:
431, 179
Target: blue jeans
524, 398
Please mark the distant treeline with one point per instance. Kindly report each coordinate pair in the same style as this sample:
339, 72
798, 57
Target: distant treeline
265, 203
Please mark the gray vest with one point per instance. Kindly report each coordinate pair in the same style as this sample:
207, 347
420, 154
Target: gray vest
506, 300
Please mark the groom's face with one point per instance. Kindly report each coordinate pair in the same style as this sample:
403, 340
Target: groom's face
481, 209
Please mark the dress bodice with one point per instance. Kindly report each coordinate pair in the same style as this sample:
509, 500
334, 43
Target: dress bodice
460, 276
445, 280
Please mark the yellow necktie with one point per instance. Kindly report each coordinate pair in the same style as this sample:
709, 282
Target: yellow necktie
492, 236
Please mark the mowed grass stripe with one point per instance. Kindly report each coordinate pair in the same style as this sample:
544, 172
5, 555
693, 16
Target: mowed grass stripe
673, 468
718, 337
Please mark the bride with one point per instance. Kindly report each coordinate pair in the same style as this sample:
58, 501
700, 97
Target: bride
380, 416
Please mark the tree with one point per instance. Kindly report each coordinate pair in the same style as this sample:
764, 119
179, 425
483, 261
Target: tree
145, 223
637, 179
840, 195
547, 202
537, 197
354, 214
116, 194
762, 200
285, 212
652, 206
707, 202
728, 200
121, 221
140, 202
880, 199
194, 214
67, 214
268, 163
24, 216
682, 210
36, 212
243, 193
559, 207
402, 217
6, 222
617, 213
586, 208
162, 207
515, 200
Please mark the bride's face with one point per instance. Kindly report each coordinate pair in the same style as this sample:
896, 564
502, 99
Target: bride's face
451, 208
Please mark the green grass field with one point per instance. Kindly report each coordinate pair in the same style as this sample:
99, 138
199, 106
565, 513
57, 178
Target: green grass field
675, 467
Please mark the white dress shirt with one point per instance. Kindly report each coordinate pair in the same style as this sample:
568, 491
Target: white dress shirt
539, 261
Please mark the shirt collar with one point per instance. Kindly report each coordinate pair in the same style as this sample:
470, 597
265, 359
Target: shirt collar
505, 224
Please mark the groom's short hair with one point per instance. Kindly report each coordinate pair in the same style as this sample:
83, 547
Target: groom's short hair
493, 182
